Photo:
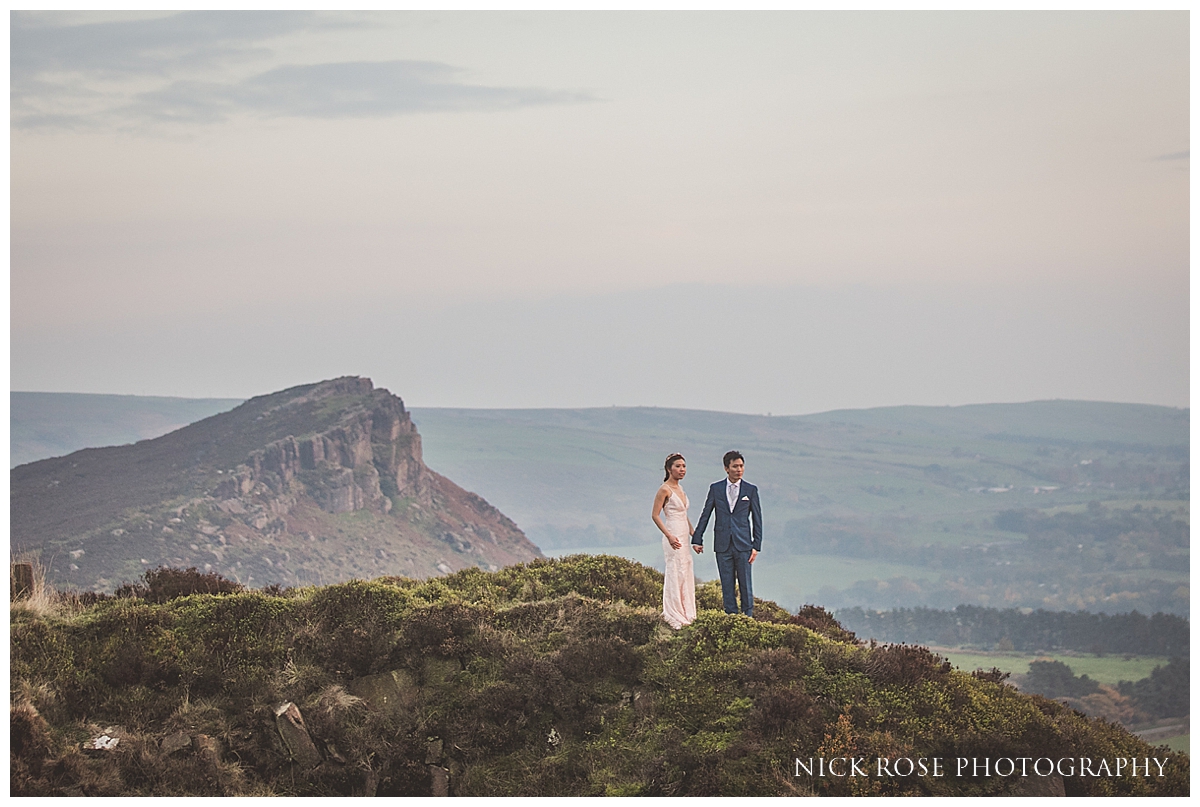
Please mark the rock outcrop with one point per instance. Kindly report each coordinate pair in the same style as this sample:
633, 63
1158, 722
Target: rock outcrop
372, 454
310, 485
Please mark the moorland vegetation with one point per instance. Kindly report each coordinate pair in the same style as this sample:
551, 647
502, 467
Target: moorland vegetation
555, 677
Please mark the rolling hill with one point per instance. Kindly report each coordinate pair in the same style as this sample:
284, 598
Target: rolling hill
889, 507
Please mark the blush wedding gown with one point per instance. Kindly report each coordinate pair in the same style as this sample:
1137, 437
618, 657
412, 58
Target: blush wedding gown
679, 586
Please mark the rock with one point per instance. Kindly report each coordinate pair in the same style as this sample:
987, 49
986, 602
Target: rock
174, 742
231, 506
295, 735
391, 693
433, 751
101, 744
439, 784
438, 671
208, 748
378, 445
333, 753
370, 783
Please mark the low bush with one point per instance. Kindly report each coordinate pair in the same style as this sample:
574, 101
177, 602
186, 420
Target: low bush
165, 583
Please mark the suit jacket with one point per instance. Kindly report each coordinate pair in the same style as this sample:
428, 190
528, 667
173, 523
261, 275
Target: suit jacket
731, 530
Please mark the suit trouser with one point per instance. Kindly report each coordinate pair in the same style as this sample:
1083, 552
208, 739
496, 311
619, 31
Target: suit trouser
732, 565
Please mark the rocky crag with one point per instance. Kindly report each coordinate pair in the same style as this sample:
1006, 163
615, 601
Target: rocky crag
311, 485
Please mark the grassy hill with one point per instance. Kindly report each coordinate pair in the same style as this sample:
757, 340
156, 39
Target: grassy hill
555, 677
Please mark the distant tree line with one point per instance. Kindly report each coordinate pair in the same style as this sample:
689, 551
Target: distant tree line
1099, 540
1010, 629
1164, 693
1054, 679
1105, 559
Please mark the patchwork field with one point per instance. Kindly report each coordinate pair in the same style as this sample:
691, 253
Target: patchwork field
1105, 669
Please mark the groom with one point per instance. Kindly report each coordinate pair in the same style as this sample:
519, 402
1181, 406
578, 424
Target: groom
735, 543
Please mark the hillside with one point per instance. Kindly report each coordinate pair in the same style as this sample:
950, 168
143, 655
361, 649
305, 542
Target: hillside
550, 678
880, 508
51, 424
314, 484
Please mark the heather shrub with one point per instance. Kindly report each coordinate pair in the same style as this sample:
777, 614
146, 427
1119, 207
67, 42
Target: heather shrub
510, 683
817, 619
995, 675
165, 583
904, 664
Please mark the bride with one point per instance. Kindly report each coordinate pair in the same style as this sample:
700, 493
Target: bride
670, 516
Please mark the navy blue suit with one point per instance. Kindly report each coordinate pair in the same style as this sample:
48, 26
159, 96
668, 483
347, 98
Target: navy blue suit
733, 537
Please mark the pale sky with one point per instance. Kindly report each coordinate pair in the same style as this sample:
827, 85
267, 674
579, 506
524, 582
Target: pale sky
784, 212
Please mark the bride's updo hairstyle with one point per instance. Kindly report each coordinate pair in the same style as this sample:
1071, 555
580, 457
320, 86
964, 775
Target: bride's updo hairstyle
667, 465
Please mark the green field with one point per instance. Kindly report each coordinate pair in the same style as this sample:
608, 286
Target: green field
1104, 669
1182, 743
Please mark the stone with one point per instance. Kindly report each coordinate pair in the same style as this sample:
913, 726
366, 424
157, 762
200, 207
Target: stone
334, 754
174, 742
438, 671
232, 506
295, 736
390, 693
208, 748
104, 742
439, 781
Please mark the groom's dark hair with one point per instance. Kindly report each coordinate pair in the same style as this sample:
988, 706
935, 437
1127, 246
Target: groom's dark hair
730, 456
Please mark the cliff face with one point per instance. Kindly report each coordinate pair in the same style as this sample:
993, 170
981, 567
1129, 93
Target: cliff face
370, 456
310, 485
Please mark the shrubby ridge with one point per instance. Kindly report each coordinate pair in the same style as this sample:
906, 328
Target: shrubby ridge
554, 677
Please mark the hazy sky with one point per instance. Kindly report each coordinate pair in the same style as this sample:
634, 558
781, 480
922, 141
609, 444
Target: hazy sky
782, 212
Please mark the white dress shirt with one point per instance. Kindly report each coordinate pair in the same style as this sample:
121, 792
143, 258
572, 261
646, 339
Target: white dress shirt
731, 492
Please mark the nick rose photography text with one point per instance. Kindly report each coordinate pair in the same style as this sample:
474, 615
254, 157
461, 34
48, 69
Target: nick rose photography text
980, 766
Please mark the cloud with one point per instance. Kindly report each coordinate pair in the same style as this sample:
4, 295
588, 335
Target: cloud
1179, 155
173, 69
339, 90
136, 47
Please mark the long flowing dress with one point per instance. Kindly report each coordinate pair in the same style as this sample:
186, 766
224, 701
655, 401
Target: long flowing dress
679, 585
